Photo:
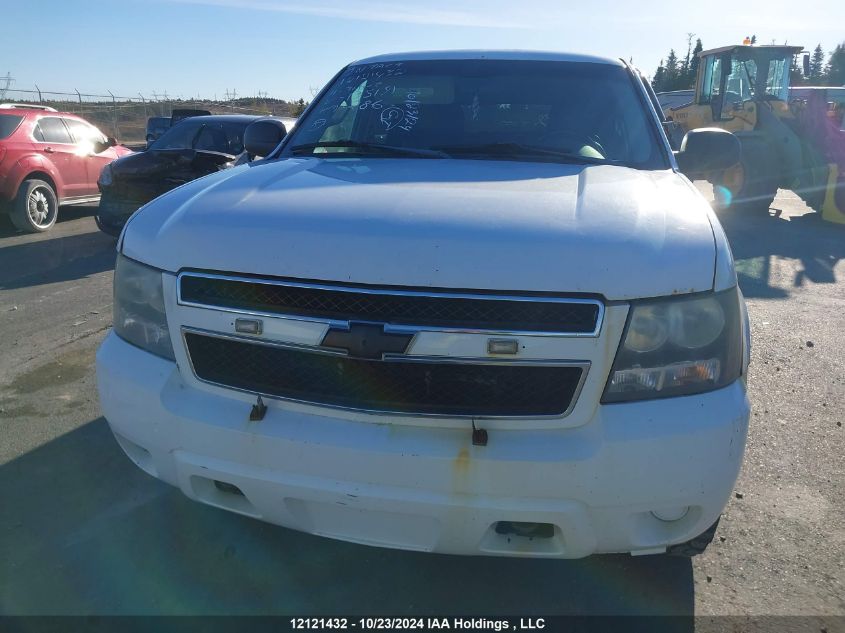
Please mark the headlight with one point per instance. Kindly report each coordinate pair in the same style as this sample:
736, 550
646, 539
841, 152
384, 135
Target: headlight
105, 176
676, 347
139, 307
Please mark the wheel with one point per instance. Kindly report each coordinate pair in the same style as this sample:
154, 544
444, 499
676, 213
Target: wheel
813, 179
695, 546
35, 208
750, 185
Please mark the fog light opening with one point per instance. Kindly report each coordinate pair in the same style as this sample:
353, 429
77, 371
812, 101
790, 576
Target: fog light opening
668, 515
222, 486
524, 529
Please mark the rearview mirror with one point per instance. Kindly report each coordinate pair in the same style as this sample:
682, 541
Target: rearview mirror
261, 137
707, 150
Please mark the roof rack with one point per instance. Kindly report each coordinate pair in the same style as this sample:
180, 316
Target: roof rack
26, 106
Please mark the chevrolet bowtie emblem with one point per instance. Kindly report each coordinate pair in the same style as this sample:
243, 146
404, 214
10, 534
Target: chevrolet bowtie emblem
366, 340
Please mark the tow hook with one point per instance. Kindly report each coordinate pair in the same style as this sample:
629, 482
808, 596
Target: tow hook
259, 410
479, 436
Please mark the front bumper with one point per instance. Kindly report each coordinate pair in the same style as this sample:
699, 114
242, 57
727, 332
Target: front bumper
114, 212
429, 488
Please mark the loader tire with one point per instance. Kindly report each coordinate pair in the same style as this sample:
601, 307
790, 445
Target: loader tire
813, 181
750, 186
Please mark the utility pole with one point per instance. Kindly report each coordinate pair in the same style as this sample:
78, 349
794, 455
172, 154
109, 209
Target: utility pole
262, 98
231, 96
5, 83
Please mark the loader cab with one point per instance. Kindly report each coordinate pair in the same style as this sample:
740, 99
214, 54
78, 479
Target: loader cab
733, 81
730, 78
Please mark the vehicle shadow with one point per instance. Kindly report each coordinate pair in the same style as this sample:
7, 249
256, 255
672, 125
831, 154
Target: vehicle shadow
92, 534
774, 255
67, 213
46, 259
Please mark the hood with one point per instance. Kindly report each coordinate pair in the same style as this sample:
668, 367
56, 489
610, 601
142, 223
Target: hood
154, 162
468, 224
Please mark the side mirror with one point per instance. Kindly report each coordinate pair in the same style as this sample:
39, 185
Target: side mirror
100, 146
261, 137
806, 68
708, 150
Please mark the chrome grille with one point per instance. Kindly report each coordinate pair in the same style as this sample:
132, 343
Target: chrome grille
435, 309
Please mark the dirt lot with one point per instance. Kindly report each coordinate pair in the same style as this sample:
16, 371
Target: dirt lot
84, 531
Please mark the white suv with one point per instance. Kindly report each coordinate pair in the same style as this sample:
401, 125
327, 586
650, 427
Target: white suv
469, 305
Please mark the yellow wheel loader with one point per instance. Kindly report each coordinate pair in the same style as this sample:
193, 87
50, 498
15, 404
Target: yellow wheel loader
797, 144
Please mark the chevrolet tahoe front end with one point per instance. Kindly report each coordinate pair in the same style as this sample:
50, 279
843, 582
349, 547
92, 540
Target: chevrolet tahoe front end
387, 334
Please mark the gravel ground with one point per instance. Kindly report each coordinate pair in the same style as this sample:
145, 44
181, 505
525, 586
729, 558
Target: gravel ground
84, 531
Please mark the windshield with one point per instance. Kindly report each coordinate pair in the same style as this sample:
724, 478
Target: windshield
158, 123
745, 79
226, 137
501, 109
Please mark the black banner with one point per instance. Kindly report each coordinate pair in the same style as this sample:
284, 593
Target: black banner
372, 624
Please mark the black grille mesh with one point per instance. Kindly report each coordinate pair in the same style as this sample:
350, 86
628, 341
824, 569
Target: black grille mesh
345, 305
402, 386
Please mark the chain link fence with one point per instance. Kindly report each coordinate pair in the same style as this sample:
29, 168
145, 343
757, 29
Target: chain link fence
125, 118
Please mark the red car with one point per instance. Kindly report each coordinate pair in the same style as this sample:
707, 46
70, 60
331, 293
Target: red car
48, 158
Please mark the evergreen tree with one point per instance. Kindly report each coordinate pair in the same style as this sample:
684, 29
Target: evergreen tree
659, 80
753, 40
835, 71
298, 107
796, 74
817, 65
672, 71
694, 63
684, 70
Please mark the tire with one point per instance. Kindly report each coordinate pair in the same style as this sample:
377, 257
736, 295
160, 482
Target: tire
750, 186
35, 208
813, 179
695, 546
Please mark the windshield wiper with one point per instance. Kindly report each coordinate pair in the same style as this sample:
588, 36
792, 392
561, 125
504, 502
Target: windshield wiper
518, 149
308, 148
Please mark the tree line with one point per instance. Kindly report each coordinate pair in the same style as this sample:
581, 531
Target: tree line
679, 73
830, 74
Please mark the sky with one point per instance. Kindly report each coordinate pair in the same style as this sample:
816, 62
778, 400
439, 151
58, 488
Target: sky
289, 49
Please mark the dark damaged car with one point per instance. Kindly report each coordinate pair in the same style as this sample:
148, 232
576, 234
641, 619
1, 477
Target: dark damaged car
191, 149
